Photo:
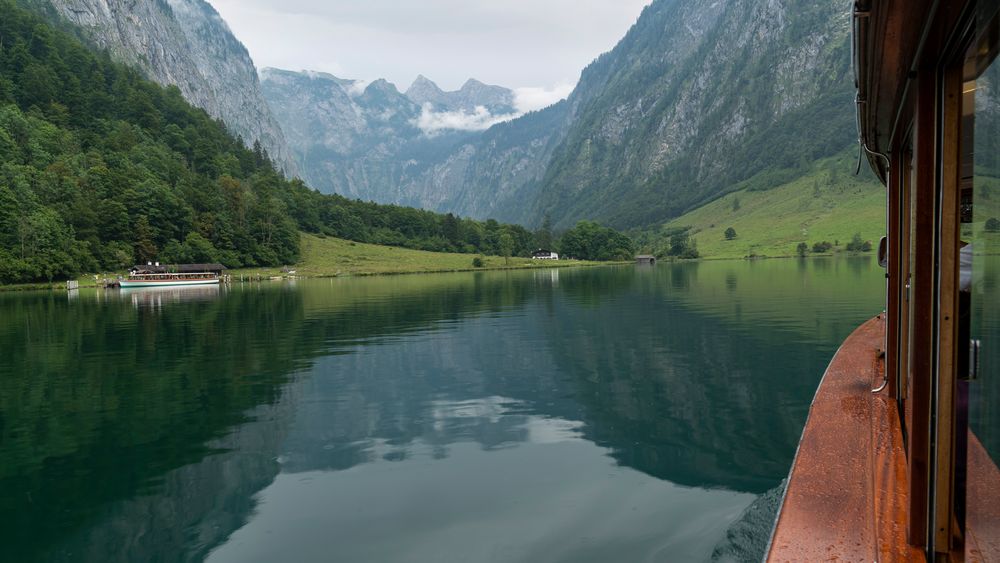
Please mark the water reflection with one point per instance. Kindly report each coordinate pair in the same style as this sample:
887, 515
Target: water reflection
157, 297
615, 413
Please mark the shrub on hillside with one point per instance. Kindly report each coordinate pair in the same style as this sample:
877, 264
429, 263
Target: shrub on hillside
822, 247
683, 246
857, 244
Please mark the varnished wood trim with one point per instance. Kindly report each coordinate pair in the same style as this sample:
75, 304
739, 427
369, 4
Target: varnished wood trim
923, 298
944, 498
846, 495
894, 313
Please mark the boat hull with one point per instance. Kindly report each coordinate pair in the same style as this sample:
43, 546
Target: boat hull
165, 283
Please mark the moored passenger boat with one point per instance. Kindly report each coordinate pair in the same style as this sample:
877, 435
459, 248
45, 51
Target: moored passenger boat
898, 460
176, 275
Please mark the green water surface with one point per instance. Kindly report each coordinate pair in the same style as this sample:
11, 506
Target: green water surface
604, 414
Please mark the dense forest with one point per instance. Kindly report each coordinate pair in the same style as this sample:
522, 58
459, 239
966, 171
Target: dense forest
101, 168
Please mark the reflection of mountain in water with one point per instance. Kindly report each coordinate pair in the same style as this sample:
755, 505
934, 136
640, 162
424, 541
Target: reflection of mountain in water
195, 507
669, 390
159, 443
104, 402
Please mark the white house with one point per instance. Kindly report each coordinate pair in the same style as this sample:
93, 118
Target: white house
544, 255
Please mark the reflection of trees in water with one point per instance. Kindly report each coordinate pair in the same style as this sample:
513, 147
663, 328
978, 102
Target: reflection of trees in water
688, 402
130, 433
101, 400
194, 507
687, 398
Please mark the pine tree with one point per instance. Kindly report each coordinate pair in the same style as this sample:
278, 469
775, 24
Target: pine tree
145, 250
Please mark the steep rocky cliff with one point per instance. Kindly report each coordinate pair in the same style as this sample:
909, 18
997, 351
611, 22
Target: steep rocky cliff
187, 44
697, 100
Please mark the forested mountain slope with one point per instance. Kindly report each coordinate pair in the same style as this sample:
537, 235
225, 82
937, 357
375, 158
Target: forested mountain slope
184, 43
100, 168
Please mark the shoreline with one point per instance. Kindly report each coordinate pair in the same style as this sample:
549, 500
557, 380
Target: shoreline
266, 274
88, 281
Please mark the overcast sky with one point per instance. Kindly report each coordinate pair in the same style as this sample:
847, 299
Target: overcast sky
538, 47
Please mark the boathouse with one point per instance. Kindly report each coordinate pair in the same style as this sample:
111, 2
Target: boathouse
645, 259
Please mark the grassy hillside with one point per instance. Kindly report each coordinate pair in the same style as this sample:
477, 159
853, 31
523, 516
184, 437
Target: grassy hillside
328, 256
828, 204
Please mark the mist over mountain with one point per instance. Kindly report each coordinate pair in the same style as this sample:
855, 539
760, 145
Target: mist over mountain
369, 140
694, 102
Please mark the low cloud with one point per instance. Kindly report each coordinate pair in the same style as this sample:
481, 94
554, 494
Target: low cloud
357, 87
433, 122
525, 100
532, 99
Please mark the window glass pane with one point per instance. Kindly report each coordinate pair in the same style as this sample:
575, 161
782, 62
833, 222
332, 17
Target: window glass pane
980, 285
984, 235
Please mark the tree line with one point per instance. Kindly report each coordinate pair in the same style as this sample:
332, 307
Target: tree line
101, 168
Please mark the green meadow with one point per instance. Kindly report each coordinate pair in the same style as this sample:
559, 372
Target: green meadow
829, 204
330, 257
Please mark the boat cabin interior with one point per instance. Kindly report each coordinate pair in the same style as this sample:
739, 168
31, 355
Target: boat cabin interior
898, 460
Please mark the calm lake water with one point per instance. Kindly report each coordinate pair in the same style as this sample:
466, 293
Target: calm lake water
604, 414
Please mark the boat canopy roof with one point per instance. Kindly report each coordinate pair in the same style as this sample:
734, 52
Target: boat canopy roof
177, 268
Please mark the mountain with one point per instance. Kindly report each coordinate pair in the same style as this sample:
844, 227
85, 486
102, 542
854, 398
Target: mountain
697, 100
371, 141
473, 94
184, 43
101, 168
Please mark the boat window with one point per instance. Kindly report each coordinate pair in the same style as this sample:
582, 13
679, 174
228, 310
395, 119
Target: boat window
979, 280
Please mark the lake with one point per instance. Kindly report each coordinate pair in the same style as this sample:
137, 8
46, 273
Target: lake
599, 414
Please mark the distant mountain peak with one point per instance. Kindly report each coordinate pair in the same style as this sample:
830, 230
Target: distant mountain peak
424, 90
473, 83
382, 85
472, 94
270, 74
423, 80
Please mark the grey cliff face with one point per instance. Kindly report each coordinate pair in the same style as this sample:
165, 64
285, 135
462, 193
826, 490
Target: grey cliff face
697, 99
371, 141
187, 44
497, 99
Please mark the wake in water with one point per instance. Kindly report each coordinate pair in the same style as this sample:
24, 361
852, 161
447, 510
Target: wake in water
746, 540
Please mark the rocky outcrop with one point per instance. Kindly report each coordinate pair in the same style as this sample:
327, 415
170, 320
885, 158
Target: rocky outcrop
697, 100
497, 99
187, 44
